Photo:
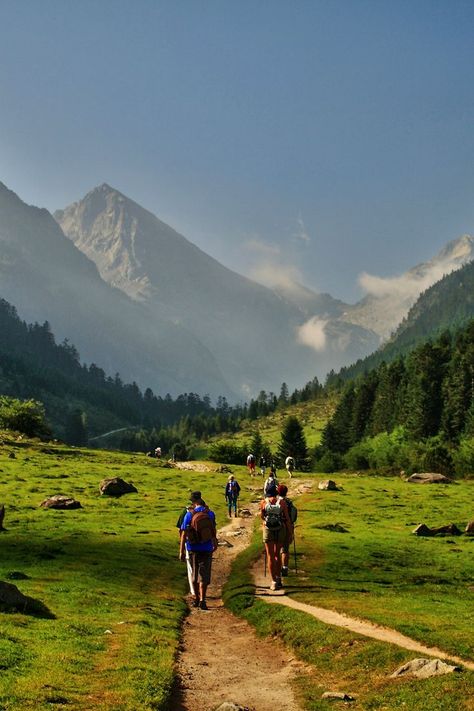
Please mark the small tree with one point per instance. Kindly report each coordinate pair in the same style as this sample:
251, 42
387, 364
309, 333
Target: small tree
293, 444
25, 416
256, 445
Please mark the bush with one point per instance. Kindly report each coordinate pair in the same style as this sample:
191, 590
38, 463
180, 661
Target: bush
463, 457
26, 416
327, 462
228, 452
437, 457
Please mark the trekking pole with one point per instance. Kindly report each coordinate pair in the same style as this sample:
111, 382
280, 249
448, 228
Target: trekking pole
294, 551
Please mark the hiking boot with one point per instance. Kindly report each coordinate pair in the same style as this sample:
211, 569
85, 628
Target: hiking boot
278, 584
196, 602
203, 605
284, 571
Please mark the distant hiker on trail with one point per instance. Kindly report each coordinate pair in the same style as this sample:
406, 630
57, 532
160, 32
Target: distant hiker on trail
271, 482
282, 491
290, 465
263, 466
158, 452
277, 528
199, 537
251, 464
232, 491
179, 523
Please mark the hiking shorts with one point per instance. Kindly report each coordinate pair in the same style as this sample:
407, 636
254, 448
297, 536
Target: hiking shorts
201, 562
277, 536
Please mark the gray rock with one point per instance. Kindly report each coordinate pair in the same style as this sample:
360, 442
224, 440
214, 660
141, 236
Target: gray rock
337, 696
245, 513
231, 706
328, 485
59, 501
449, 530
469, 530
424, 668
116, 487
428, 478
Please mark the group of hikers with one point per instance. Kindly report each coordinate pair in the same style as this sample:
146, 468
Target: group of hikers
252, 463
198, 534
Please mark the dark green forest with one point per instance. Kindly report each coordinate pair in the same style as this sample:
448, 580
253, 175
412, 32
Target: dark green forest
416, 412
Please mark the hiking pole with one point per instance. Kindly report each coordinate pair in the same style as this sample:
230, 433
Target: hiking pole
294, 551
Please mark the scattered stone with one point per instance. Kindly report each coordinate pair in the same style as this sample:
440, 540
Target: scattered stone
337, 696
328, 485
59, 501
223, 469
225, 543
231, 706
12, 600
17, 575
428, 478
12, 455
108, 632
469, 530
450, 530
116, 487
424, 668
2, 516
336, 527
245, 513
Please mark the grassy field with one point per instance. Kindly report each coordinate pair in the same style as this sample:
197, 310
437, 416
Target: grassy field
108, 572
379, 571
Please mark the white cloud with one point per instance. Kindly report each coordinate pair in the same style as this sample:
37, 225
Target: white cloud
312, 333
301, 233
259, 246
274, 275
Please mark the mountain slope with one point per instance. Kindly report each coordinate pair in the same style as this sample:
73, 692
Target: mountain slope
251, 330
48, 278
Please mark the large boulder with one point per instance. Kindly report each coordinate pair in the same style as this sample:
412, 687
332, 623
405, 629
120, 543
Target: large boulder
328, 485
59, 501
12, 600
428, 478
116, 487
424, 668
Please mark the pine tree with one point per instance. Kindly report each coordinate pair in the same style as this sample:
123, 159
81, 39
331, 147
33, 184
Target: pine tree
256, 445
293, 444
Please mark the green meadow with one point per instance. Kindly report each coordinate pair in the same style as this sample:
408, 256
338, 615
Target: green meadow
379, 571
108, 572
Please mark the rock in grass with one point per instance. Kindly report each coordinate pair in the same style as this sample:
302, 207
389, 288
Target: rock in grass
424, 668
337, 696
17, 575
469, 530
428, 478
230, 706
12, 600
449, 530
59, 501
335, 527
328, 485
116, 487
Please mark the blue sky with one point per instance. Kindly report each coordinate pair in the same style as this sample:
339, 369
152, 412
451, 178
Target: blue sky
304, 140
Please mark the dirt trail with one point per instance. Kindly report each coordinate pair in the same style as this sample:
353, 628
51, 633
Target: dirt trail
221, 658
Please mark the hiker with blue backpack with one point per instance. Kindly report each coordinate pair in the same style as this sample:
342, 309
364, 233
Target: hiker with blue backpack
282, 490
199, 537
277, 529
232, 491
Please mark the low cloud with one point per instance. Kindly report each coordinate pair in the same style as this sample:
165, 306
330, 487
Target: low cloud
276, 275
312, 334
409, 285
259, 246
301, 233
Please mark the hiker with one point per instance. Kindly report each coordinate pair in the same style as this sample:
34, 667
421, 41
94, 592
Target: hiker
271, 482
251, 464
158, 452
277, 528
179, 523
199, 537
282, 490
232, 491
290, 465
263, 466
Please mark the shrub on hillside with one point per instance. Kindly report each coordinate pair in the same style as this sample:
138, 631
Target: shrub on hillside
463, 457
228, 452
437, 457
26, 416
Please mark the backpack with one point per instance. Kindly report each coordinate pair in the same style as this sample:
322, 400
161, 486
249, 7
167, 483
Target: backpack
201, 528
292, 510
273, 518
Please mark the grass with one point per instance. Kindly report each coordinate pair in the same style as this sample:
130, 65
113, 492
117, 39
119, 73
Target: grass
378, 571
108, 572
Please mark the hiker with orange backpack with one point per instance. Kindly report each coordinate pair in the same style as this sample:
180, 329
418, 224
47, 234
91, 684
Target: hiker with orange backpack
277, 528
199, 537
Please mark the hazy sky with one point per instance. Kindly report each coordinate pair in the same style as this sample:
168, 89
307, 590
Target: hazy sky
316, 139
